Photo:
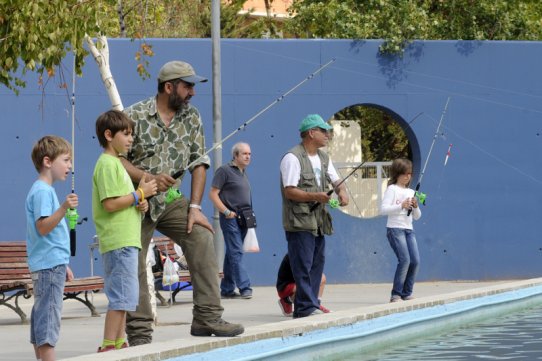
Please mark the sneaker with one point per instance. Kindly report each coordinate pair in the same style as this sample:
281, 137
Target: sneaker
226, 296
246, 294
408, 298
106, 348
324, 309
395, 299
286, 306
217, 327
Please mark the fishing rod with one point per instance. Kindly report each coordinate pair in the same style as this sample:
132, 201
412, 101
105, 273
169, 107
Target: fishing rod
173, 194
422, 196
333, 203
71, 213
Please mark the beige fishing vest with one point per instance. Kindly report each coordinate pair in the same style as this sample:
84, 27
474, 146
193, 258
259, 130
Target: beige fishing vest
297, 216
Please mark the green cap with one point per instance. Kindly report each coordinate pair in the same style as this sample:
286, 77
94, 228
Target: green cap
179, 70
313, 121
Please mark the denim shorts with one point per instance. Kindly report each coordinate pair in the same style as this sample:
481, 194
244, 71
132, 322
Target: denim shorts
121, 284
47, 310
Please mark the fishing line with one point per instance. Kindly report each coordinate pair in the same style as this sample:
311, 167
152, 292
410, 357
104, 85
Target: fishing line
378, 153
441, 78
246, 123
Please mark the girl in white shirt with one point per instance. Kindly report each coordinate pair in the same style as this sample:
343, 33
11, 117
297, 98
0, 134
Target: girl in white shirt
397, 201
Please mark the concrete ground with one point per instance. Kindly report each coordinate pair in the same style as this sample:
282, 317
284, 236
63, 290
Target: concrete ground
82, 334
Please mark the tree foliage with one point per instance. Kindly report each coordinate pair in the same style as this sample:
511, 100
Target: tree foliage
401, 21
35, 35
382, 138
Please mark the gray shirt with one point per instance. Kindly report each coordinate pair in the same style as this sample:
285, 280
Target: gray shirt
234, 187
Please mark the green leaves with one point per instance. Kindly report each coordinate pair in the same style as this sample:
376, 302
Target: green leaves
400, 21
36, 35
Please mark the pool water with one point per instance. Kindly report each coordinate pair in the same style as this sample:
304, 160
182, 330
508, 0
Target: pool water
514, 336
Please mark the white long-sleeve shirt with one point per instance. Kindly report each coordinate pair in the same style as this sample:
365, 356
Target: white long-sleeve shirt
391, 207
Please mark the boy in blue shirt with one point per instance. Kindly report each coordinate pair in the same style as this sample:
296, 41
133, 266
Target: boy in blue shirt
48, 242
116, 209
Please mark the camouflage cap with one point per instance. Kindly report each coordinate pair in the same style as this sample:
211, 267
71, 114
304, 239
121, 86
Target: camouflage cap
179, 70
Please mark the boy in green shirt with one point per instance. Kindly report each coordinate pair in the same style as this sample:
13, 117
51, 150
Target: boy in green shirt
116, 209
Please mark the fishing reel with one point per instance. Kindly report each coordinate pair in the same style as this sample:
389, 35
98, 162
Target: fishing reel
172, 194
72, 216
421, 197
334, 203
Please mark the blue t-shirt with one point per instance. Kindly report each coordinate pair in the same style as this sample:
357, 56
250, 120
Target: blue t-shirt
50, 250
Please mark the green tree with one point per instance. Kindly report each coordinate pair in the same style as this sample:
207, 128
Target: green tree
382, 138
35, 35
400, 21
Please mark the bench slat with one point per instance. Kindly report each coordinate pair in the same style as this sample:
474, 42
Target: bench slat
15, 276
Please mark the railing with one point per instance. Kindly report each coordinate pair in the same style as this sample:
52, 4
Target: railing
365, 187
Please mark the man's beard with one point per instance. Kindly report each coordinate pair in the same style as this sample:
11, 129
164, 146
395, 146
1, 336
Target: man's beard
176, 102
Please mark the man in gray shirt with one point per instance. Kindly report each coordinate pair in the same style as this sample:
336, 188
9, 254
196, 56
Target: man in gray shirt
230, 192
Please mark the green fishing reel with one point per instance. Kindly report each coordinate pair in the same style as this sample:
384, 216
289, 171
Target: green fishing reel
334, 203
421, 197
172, 194
72, 216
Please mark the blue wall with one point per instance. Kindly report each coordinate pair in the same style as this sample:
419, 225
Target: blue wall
482, 208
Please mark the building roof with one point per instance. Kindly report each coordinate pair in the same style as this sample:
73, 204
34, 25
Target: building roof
279, 8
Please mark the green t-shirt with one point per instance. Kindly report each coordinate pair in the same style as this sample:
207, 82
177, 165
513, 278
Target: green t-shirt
115, 229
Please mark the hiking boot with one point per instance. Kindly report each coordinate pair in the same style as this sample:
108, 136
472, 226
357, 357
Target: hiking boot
139, 341
106, 348
246, 294
324, 309
395, 299
217, 327
226, 296
286, 306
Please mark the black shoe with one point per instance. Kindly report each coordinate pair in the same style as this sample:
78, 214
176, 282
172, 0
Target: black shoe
217, 327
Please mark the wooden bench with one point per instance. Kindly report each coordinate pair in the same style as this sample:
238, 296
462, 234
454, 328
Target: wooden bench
15, 281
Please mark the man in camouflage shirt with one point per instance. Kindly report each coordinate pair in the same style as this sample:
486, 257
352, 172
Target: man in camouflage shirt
168, 137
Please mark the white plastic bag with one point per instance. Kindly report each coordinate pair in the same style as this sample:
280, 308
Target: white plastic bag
250, 243
170, 275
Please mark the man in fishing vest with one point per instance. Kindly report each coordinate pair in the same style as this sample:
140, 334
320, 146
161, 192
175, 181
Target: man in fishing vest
306, 174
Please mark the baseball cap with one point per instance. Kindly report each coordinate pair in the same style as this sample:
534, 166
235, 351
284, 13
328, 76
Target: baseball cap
313, 121
179, 70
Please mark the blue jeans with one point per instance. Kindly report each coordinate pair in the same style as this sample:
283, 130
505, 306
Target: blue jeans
121, 285
235, 273
46, 313
307, 258
403, 243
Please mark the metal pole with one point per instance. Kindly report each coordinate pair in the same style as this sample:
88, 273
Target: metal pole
217, 121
